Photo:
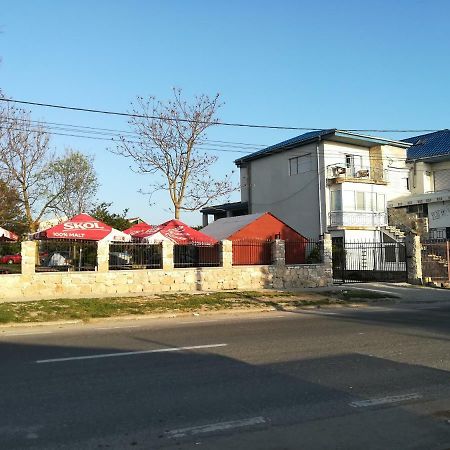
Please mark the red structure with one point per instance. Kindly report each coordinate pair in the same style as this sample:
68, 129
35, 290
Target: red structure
251, 235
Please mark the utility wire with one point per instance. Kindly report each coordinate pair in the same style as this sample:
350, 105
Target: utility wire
229, 124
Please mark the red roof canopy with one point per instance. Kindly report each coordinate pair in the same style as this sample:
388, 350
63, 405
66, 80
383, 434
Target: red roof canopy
83, 227
177, 232
6, 235
138, 228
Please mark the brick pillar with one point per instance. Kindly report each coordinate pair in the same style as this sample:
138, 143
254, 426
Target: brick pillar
28, 251
102, 256
278, 253
226, 253
413, 258
167, 255
327, 250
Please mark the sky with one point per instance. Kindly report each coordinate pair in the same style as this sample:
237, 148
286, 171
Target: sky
323, 64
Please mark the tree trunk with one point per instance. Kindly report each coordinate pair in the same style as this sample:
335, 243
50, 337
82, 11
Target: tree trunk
177, 212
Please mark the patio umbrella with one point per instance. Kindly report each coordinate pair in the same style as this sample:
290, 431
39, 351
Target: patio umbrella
138, 228
6, 235
83, 227
176, 232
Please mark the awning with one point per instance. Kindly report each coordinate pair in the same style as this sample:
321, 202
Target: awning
138, 228
418, 199
6, 235
176, 232
83, 227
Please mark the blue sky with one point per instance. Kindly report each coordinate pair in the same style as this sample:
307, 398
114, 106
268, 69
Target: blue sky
344, 64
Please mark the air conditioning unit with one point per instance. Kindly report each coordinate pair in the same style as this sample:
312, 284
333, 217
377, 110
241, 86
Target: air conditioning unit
337, 171
363, 173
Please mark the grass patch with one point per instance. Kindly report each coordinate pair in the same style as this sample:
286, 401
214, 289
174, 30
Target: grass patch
90, 308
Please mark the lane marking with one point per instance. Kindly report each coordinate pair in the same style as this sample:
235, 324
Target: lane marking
26, 334
138, 352
212, 427
117, 328
198, 321
385, 400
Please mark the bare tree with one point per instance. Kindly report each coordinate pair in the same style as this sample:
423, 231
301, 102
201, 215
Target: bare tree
42, 181
169, 135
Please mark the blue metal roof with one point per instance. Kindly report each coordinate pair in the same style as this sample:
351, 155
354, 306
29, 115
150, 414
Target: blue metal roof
431, 145
314, 136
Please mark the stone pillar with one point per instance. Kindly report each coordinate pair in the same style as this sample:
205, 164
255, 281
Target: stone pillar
278, 253
413, 258
167, 255
226, 254
102, 256
327, 250
28, 251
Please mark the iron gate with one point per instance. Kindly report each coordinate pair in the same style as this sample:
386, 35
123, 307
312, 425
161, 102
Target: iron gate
369, 261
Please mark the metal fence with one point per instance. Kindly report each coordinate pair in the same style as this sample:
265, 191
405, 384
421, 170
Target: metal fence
435, 260
252, 252
60, 256
196, 255
303, 252
369, 261
10, 257
134, 255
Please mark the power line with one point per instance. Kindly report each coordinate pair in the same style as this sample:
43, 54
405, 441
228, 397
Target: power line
229, 124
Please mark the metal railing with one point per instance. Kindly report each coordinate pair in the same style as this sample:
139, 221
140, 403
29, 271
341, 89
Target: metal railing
10, 258
252, 252
340, 171
303, 252
196, 255
435, 260
358, 218
64, 255
134, 255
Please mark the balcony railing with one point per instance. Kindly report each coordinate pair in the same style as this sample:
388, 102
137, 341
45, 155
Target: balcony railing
341, 172
358, 218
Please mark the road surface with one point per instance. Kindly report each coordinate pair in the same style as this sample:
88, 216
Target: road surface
342, 378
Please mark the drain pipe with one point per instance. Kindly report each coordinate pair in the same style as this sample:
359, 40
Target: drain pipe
320, 188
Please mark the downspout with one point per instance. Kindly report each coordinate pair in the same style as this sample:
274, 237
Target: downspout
249, 190
320, 188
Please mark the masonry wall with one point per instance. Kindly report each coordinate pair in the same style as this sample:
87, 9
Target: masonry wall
103, 283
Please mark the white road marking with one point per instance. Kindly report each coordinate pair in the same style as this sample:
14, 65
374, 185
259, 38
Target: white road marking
26, 334
118, 328
198, 321
138, 352
385, 400
212, 427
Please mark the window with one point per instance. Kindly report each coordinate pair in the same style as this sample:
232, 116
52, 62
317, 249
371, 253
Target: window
370, 201
300, 164
360, 200
336, 200
381, 203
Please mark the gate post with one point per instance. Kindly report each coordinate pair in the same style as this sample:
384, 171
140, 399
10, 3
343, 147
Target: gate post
328, 250
413, 258
278, 251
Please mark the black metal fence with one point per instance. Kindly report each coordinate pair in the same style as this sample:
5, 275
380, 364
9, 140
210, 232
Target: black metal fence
196, 255
61, 256
304, 251
369, 261
134, 255
252, 252
10, 257
435, 260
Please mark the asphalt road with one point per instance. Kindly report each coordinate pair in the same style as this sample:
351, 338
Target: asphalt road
363, 378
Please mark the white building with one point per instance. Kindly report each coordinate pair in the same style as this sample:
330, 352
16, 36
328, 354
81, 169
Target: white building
324, 181
427, 207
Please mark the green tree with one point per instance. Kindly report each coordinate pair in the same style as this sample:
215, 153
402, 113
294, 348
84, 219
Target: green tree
119, 221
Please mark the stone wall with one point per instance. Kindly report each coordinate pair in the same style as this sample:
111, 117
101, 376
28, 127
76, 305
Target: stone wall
30, 285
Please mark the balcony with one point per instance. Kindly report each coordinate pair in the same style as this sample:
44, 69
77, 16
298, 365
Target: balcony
358, 219
338, 173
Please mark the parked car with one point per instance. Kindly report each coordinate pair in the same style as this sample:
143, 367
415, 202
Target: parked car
11, 259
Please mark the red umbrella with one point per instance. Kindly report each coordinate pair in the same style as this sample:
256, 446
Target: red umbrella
177, 232
83, 227
6, 235
138, 228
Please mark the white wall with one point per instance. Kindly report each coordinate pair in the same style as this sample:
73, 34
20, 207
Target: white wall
292, 198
